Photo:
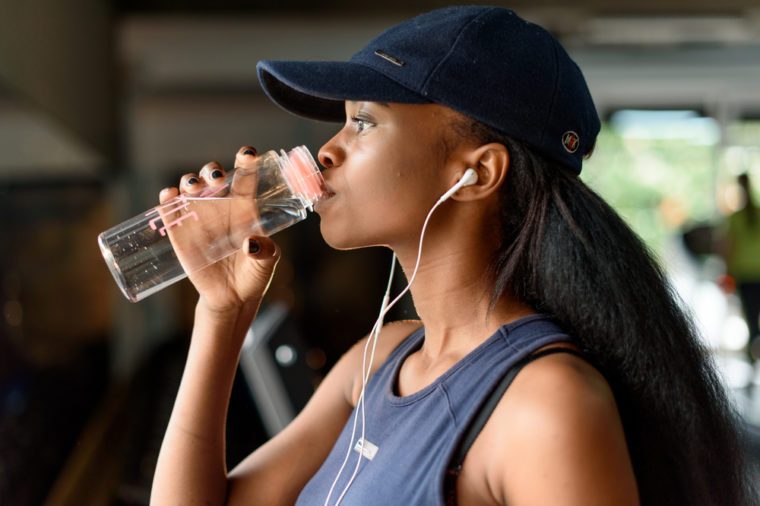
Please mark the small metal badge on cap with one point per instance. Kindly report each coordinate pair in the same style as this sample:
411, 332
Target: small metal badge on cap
571, 141
385, 56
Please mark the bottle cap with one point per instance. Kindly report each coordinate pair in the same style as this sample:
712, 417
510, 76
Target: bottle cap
303, 176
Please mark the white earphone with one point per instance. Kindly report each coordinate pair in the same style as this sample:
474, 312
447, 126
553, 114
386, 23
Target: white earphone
469, 177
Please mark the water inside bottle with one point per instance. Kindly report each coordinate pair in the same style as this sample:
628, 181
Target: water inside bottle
142, 260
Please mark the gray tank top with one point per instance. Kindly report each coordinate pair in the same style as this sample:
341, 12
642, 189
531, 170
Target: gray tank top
410, 440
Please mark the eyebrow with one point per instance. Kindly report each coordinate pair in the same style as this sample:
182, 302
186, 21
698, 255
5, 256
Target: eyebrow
384, 104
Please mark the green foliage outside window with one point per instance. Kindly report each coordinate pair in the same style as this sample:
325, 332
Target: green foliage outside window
658, 170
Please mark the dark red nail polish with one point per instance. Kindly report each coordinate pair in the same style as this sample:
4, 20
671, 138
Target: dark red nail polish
216, 174
253, 247
250, 151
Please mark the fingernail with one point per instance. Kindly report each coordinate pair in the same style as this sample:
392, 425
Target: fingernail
250, 151
192, 181
216, 174
253, 247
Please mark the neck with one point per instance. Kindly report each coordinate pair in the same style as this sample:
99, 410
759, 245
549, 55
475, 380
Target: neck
452, 292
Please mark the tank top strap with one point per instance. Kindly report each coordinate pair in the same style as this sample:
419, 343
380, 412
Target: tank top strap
484, 412
530, 328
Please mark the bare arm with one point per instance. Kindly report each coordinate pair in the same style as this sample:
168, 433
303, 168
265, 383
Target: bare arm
277, 472
191, 465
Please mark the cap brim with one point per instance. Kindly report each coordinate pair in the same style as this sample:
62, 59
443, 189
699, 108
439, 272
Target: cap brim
318, 90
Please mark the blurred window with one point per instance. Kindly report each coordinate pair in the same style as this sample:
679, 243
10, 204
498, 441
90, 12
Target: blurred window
657, 169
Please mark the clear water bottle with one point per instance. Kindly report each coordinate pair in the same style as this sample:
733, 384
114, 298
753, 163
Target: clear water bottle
182, 236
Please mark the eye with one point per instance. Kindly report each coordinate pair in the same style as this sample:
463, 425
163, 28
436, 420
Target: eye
361, 124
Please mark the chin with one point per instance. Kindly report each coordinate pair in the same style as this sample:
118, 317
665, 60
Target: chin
343, 238
336, 239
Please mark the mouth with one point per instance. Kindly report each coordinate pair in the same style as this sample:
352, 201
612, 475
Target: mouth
327, 196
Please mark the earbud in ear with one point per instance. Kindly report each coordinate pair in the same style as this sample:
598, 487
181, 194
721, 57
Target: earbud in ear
469, 177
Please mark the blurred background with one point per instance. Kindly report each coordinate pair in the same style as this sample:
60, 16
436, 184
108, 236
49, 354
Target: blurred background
102, 104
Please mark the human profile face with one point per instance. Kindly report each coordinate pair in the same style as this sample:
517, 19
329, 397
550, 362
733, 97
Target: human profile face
386, 168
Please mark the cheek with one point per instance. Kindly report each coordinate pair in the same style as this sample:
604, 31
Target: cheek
372, 213
371, 179
384, 194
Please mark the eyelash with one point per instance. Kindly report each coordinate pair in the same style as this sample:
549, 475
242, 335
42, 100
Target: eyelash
361, 124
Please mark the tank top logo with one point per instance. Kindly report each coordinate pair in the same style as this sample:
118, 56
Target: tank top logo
365, 448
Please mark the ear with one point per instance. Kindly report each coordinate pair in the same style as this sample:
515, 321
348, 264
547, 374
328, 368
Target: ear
491, 162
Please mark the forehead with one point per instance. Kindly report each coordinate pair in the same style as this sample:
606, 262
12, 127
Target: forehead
359, 103
430, 114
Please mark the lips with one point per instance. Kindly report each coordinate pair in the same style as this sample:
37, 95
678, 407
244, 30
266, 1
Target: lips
329, 192
327, 196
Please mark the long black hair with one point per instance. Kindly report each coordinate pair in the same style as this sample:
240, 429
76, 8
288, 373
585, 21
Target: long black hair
566, 252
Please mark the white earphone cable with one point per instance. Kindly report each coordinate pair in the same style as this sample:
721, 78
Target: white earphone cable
374, 334
360, 401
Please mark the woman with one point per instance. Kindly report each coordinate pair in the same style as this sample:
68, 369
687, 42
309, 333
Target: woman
742, 261
616, 403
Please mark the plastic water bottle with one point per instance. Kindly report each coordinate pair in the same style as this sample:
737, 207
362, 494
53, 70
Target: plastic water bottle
182, 236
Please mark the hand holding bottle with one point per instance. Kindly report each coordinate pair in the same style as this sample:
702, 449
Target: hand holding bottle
209, 218
235, 279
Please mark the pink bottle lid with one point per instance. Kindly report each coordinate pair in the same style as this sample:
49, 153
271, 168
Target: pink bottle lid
303, 176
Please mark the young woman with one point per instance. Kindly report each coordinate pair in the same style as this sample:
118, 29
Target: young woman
524, 270
742, 260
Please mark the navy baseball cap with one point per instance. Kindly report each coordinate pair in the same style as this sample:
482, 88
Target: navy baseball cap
484, 62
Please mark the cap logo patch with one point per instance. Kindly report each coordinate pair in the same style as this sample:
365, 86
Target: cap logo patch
385, 56
571, 141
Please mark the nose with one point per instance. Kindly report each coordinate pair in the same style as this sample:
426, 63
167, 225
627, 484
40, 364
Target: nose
331, 154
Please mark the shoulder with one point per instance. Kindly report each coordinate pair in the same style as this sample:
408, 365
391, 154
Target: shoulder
560, 438
391, 336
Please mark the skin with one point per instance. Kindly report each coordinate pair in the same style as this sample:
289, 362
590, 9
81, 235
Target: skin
554, 438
